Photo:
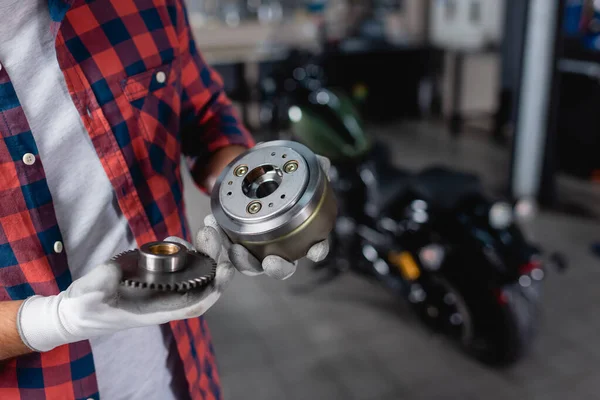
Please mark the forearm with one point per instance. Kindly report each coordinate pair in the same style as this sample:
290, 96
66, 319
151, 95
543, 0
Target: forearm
217, 162
212, 133
11, 344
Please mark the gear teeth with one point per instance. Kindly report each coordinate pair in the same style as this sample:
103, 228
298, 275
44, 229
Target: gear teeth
121, 254
175, 286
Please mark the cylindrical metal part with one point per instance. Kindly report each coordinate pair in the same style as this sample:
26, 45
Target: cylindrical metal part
275, 199
162, 257
165, 266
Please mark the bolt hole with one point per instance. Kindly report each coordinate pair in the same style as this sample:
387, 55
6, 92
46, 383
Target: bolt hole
230, 183
283, 196
284, 156
270, 204
229, 194
273, 154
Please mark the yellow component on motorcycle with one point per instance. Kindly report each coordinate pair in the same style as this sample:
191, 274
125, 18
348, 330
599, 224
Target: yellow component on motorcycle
406, 263
360, 92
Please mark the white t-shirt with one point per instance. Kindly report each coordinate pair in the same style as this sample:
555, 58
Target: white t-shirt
131, 364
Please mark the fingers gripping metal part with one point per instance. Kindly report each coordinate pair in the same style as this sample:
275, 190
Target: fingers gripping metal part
275, 199
165, 266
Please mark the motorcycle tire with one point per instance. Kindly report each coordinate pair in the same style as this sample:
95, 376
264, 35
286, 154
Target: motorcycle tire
504, 322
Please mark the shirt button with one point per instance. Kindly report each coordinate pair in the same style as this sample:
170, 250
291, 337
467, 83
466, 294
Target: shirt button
161, 77
28, 159
58, 247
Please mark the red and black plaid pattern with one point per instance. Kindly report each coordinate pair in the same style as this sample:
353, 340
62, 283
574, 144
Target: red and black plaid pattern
147, 98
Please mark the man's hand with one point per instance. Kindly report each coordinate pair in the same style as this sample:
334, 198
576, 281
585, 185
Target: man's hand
246, 263
211, 171
97, 304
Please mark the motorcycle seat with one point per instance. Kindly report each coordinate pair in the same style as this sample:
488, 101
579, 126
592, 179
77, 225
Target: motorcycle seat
392, 187
444, 188
392, 182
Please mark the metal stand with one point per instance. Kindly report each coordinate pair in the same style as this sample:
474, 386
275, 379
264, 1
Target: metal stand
532, 169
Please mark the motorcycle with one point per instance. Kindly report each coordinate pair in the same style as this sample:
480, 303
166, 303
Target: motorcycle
433, 237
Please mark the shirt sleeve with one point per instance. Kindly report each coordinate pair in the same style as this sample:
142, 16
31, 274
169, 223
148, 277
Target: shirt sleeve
209, 121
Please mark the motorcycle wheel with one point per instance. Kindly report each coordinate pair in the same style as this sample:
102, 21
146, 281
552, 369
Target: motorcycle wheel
442, 308
520, 317
504, 322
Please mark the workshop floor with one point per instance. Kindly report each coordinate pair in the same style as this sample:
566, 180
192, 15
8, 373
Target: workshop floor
353, 340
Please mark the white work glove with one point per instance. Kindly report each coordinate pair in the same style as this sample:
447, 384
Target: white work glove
96, 304
273, 266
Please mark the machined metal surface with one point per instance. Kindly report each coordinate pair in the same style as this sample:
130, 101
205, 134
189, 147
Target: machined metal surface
275, 199
165, 266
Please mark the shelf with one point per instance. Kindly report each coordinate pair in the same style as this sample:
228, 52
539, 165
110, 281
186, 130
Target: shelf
250, 41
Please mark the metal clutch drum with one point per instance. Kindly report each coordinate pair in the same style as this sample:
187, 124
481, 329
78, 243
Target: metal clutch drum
275, 199
166, 266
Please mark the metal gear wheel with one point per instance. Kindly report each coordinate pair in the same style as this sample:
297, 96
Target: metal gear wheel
165, 266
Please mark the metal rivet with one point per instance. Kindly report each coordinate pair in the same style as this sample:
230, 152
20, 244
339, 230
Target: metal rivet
290, 167
161, 77
254, 207
241, 170
28, 159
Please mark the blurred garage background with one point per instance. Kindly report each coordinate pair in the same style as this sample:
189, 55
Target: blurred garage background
508, 90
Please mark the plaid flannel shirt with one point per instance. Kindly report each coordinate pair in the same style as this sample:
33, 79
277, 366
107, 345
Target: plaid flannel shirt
146, 98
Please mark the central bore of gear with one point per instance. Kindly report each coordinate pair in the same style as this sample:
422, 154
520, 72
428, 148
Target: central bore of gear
163, 249
262, 181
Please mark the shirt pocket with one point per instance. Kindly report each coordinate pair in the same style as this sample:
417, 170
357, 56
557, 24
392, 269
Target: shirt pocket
155, 96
